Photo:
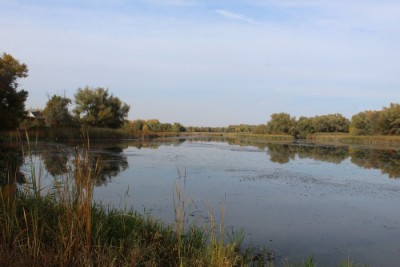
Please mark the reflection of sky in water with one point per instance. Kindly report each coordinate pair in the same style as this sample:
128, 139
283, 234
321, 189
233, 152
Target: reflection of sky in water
303, 207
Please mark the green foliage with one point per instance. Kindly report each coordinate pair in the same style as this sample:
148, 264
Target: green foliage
389, 119
95, 107
281, 123
385, 122
305, 126
365, 123
177, 127
198, 129
153, 126
56, 112
260, 129
241, 128
331, 123
12, 101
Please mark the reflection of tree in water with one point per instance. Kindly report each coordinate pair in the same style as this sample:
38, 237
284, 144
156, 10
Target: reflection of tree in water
107, 163
281, 153
11, 160
388, 161
57, 159
241, 142
324, 153
155, 144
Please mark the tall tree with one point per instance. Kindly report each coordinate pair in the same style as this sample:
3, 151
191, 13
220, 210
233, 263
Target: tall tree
281, 123
389, 119
304, 126
97, 108
331, 123
56, 111
12, 101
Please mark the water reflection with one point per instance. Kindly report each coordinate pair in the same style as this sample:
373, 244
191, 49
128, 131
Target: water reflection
105, 160
56, 159
388, 161
283, 153
110, 159
11, 160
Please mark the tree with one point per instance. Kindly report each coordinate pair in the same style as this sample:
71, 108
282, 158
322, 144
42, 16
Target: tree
12, 101
366, 123
281, 123
360, 124
177, 127
304, 126
56, 112
260, 129
97, 108
389, 119
331, 123
154, 125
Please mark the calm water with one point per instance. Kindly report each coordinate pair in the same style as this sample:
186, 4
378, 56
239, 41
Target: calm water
296, 199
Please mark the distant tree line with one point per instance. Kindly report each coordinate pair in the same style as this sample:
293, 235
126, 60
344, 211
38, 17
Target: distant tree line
146, 127
379, 122
283, 123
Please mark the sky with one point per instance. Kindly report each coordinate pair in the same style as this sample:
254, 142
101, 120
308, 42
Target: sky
210, 63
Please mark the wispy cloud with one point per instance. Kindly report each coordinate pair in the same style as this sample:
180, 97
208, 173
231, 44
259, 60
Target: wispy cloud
236, 16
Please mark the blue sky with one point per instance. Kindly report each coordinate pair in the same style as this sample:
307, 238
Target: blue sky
210, 63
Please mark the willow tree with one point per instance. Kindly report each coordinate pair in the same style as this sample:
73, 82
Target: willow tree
281, 123
97, 108
389, 119
12, 100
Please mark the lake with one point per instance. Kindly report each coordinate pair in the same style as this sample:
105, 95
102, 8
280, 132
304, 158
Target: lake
297, 199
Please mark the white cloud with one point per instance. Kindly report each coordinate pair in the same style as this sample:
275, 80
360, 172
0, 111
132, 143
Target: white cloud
236, 16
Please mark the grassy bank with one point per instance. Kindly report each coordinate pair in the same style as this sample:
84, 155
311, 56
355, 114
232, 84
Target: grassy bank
375, 140
45, 231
